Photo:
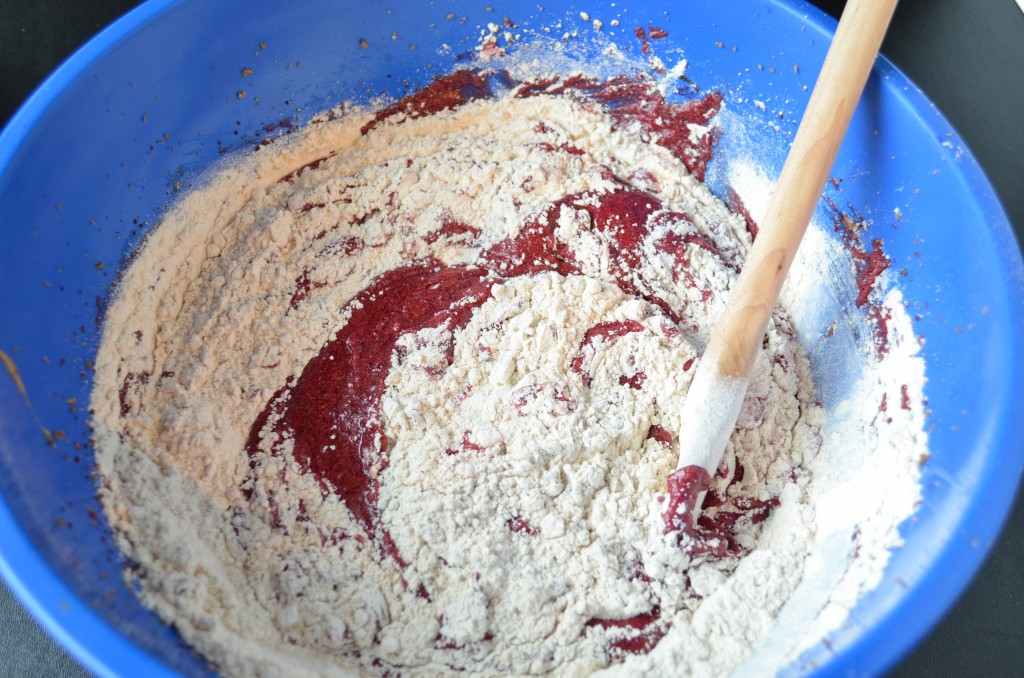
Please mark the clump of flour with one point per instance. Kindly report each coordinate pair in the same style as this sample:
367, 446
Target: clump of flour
526, 457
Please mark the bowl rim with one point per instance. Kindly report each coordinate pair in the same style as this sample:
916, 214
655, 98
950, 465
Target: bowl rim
68, 619
971, 540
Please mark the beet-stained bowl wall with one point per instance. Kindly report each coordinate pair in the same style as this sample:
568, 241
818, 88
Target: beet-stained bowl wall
136, 116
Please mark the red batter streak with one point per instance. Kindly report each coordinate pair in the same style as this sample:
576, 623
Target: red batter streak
450, 91
332, 411
608, 330
630, 100
868, 266
648, 632
684, 488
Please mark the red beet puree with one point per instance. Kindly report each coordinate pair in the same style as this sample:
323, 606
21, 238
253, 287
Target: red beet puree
332, 411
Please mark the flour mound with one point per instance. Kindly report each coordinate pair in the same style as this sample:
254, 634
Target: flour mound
499, 507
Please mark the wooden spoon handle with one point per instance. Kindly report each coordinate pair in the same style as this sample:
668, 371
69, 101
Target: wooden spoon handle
740, 329
708, 415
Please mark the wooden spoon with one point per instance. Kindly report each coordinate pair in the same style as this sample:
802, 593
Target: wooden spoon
720, 382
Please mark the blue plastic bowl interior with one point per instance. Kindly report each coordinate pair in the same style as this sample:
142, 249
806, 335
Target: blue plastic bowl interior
89, 161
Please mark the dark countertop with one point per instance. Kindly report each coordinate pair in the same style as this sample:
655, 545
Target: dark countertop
967, 58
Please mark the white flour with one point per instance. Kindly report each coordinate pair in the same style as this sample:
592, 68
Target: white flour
522, 483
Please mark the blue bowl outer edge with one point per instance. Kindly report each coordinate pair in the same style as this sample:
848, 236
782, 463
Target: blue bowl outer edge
37, 103
947, 576
94, 642
101, 647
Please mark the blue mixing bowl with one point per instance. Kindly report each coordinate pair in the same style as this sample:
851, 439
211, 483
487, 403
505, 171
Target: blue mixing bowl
89, 162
